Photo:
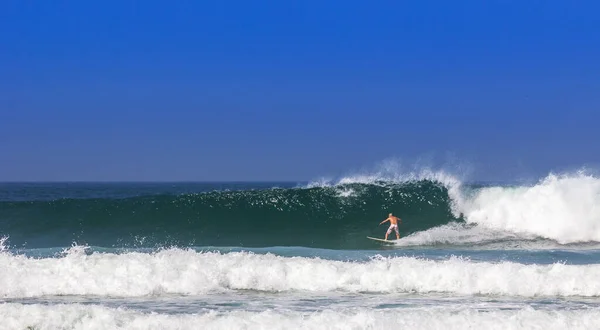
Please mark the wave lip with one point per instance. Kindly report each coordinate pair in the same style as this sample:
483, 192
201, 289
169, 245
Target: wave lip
188, 272
19, 316
390, 175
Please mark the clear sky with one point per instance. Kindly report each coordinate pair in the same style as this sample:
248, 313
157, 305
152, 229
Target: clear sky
295, 90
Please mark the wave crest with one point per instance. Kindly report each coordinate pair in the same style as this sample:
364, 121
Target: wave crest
187, 272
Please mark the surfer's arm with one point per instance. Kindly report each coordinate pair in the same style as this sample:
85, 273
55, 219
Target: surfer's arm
388, 219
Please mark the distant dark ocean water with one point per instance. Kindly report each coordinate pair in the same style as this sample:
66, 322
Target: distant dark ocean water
295, 255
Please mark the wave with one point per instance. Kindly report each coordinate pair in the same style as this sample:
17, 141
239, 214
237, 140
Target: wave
564, 208
186, 272
436, 207
38, 316
328, 217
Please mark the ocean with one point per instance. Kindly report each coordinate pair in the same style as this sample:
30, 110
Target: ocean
294, 255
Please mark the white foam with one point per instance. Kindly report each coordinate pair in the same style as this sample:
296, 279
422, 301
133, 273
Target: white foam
74, 316
346, 192
465, 235
3, 243
460, 234
564, 208
187, 272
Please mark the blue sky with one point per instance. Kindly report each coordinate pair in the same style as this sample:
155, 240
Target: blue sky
294, 90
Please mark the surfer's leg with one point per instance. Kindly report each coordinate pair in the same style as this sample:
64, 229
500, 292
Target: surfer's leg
397, 233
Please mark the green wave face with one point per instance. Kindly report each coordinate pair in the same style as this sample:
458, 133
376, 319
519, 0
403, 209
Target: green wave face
337, 217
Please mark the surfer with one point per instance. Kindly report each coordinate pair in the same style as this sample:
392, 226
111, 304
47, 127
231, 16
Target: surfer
393, 225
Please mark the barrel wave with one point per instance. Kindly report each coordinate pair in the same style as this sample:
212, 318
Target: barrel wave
337, 216
436, 209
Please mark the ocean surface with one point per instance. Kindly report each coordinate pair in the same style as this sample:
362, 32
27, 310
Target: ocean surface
296, 256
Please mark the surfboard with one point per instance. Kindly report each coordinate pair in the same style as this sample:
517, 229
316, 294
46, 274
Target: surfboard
390, 241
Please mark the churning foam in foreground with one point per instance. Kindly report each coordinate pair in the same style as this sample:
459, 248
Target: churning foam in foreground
562, 208
18, 316
188, 272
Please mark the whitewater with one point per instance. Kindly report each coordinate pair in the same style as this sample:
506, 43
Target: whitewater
187, 272
169, 256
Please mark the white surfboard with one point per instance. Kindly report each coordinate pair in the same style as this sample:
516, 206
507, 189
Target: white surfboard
390, 241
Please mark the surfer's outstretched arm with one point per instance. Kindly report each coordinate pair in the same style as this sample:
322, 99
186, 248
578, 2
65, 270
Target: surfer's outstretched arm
388, 219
